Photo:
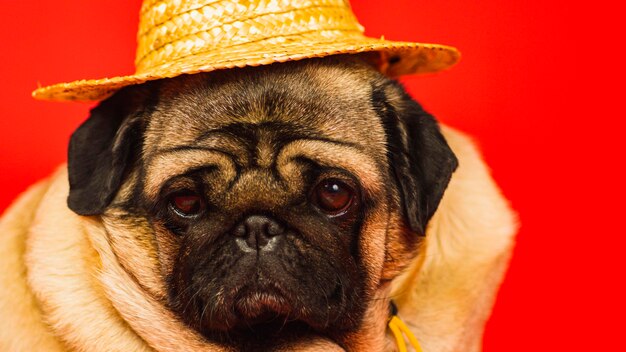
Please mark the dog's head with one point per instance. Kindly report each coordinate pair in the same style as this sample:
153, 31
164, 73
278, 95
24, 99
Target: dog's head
265, 199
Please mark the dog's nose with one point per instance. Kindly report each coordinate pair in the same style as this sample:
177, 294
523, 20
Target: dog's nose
258, 232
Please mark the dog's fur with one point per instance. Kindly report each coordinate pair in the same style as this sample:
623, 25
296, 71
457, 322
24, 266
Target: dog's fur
128, 275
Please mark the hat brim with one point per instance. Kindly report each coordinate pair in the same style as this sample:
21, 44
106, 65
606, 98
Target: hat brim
403, 58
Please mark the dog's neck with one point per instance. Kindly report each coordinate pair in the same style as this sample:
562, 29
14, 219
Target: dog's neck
372, 335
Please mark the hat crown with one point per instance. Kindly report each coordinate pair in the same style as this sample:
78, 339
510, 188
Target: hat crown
170, 30
191, 36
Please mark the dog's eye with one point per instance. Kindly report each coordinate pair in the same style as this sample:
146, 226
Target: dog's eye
333, 196
186, 203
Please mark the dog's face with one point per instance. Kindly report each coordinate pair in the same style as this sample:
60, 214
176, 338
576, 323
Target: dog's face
276, 199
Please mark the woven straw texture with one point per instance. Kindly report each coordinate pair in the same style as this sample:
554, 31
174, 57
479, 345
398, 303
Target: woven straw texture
184, 37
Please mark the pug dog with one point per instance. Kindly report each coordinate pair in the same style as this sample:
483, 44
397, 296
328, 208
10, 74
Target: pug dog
271, 208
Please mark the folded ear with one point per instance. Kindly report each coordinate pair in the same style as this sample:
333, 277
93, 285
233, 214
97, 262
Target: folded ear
100, 151
419, 157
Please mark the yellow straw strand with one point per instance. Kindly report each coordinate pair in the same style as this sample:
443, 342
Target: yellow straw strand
397, 333
405, 329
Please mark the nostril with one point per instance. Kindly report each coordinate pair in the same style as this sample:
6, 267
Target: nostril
240, 230
274, 228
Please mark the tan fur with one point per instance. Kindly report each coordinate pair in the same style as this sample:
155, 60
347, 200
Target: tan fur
447, 299
21, 326
63, 288
62, 272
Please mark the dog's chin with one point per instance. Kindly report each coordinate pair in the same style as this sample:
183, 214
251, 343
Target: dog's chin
260, 309
261, 317
258, 306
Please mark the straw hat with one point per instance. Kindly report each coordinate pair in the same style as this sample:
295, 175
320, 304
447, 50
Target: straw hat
189, 36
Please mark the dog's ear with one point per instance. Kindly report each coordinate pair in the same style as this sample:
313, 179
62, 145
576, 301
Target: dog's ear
100, 151
419, 157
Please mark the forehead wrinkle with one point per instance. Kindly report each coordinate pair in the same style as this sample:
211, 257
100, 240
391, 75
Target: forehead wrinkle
227, 143
167, 164
256, 144
331, 154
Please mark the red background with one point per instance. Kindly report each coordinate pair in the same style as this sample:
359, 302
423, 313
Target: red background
540, 86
